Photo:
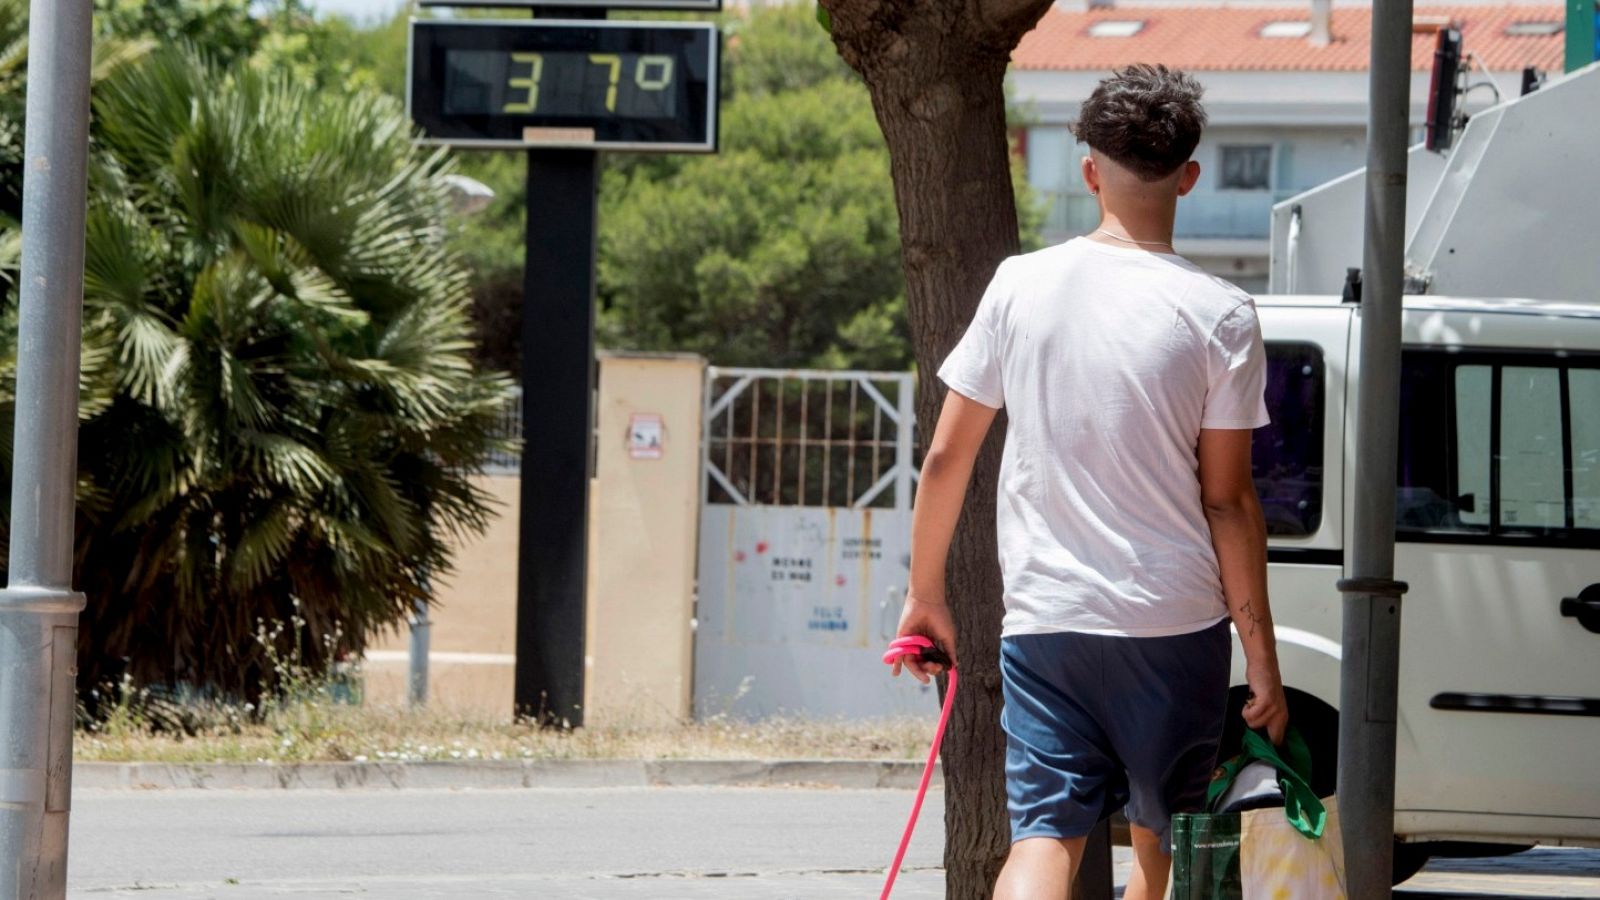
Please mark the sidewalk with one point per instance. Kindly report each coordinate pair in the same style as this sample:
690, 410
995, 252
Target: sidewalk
491, 774
584, 843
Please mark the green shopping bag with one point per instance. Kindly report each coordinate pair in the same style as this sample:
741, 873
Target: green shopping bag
1263, 852
1205, 857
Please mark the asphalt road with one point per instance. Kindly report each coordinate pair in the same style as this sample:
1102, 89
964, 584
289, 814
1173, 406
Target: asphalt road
607, 844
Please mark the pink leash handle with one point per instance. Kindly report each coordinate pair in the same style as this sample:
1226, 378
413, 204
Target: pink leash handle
915, 645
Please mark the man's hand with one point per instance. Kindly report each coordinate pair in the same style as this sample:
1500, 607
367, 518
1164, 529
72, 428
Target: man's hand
946, 469
1266, 708
931, 619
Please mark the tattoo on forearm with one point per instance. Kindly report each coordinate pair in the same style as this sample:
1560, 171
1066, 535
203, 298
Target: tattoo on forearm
1249, 610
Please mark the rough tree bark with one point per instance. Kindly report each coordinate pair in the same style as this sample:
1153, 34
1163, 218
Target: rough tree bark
936, 70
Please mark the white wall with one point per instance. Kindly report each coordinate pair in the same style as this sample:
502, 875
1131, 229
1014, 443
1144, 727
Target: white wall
796, 606
1306, 156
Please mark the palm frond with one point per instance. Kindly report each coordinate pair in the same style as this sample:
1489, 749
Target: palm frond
263, 547
10, 254
285, 462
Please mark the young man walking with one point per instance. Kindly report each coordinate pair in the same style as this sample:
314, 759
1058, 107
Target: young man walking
1129, 528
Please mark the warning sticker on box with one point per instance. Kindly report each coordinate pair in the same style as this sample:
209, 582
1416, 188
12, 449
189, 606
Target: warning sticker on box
647, 436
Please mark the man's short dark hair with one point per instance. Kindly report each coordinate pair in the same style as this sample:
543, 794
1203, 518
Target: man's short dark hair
1147, 118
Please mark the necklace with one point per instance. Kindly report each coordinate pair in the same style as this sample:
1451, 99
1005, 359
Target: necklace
1130, 240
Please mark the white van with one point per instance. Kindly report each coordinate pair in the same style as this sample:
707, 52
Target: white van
1498, 535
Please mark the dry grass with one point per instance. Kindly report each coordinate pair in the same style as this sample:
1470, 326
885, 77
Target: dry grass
316, 716
320, 730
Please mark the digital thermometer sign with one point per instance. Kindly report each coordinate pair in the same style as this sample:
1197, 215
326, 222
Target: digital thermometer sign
546, 83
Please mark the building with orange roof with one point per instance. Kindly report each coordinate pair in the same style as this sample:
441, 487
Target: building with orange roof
1286, 91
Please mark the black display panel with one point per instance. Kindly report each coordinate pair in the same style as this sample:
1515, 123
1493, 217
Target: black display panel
546, 83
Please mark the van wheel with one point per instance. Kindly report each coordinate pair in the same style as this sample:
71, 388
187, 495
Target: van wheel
1409, 860
1318, 723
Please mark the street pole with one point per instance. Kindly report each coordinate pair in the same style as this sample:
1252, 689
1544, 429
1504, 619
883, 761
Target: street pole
1370, 670
558, 383
38, 609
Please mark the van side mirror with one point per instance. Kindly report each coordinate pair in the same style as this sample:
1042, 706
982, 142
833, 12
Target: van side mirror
1467, 503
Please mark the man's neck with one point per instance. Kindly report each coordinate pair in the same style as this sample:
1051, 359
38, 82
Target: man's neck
1142, 228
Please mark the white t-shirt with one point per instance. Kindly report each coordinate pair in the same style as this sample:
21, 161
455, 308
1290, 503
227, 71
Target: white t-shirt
1109, 361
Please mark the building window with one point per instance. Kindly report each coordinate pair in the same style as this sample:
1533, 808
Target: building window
1050, 158
1285, 29
1502, 448
1116, 28
1286, 455
1246, 167
1533, 29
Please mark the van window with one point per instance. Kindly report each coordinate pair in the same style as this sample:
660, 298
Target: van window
1583, 399
1472, 387
1286, 455
1531, 451
1499, 447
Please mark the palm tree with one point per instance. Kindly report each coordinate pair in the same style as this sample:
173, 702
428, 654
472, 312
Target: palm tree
285, 419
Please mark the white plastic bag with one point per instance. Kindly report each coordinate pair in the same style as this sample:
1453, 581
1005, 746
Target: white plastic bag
1276, 862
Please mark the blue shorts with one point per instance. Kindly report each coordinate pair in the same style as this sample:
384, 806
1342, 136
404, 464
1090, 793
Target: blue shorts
1096, 722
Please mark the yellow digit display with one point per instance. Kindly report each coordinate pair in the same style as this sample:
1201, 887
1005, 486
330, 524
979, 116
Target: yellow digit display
615, 62
528, 84
641, 73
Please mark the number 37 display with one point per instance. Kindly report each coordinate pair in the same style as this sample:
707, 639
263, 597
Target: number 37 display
617, 85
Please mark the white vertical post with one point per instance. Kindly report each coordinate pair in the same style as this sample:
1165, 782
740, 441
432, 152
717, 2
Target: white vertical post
905, 443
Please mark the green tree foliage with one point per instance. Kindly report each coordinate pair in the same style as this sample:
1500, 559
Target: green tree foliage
280, 410
13, 74
284, 37
224, 30
781, 250
371, 55
491, 244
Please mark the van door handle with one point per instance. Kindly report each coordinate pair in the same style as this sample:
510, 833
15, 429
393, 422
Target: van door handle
1585, 608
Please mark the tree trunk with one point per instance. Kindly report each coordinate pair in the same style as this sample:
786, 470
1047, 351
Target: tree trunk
936, 73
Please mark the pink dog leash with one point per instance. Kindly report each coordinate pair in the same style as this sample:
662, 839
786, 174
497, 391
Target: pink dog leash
917, 645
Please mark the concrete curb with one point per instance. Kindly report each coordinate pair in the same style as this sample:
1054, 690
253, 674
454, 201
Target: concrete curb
498, 774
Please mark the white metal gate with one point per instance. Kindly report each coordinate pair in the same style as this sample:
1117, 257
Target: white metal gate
805, 538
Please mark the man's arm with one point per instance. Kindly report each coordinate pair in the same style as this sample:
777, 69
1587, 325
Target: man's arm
1239, 534
947, 468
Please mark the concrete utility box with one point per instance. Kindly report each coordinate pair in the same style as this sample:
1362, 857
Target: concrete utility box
644, 509
644, 506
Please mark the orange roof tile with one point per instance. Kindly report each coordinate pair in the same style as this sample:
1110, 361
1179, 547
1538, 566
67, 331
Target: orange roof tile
1220, 38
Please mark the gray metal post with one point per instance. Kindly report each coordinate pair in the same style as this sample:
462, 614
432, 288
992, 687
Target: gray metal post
420, 628
38, 609
1369, 675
